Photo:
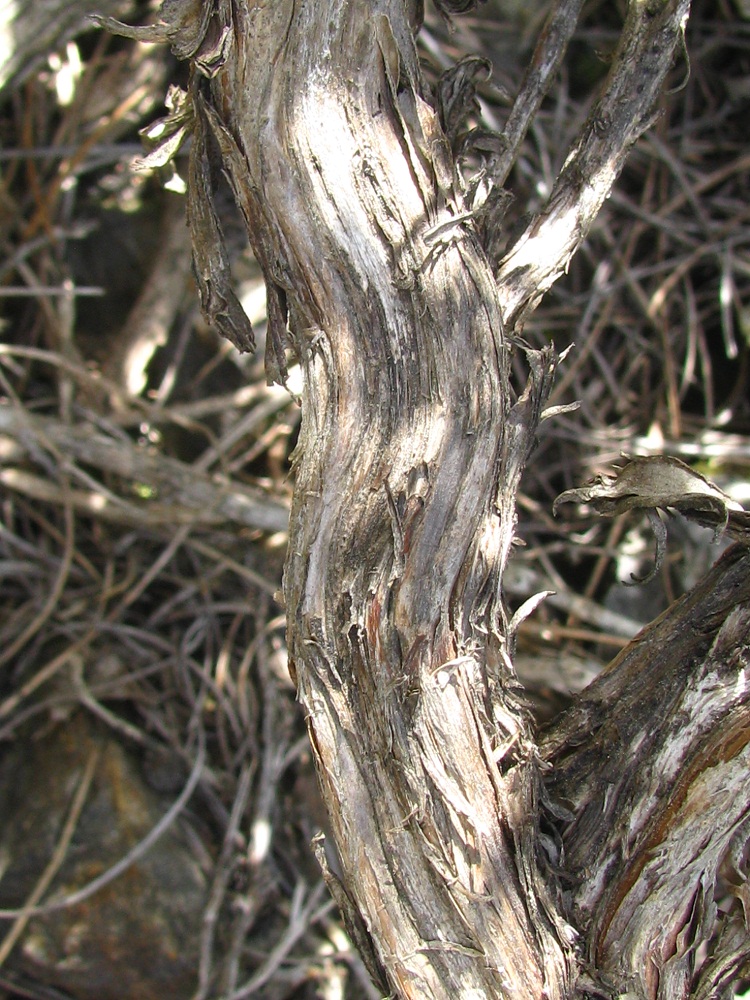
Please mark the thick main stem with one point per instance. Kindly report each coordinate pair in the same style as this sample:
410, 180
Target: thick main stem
399, 531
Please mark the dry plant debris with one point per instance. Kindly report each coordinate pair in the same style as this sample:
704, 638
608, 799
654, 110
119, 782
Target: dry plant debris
144, 486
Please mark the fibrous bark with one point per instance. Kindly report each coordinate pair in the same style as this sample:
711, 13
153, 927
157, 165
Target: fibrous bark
652, 764
378, 253
399, 530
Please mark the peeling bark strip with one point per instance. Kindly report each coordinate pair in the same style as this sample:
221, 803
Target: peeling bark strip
378, 258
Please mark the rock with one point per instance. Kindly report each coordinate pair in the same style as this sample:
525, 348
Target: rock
137, 937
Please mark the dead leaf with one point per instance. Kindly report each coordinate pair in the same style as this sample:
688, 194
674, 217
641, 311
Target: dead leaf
219, 303
660, 482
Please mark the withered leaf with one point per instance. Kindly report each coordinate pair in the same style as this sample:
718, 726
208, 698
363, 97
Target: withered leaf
449, 7
167, 134
457, 94
660, 482
184, 24
655, 481
220, 305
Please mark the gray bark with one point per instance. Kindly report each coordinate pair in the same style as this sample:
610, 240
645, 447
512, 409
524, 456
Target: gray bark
652, 764
379, 264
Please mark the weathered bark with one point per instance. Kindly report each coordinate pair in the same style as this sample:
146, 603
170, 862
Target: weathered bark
377, 257
652, 764
624, 110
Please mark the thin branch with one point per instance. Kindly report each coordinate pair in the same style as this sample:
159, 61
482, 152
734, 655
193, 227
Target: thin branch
178, 493
557, 31
652, 32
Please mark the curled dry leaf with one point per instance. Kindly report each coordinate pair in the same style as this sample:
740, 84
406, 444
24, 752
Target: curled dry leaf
457, 96
167, 135
219, 303
194, 30
660, 482
485, 200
